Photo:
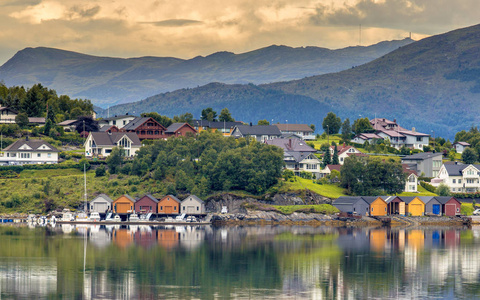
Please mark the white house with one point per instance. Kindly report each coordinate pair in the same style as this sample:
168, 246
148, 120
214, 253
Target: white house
29, 151
460, 146
460, 178
193, 205
118, 121
100, 144
7, 115
344, 151
328, 170
261, 133
101, 204
411, 183
304, 131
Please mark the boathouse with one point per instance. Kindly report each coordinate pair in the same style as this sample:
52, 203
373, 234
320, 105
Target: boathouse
193, 205
124, 205
450, 205
101, 204
432, 205
146, 204
354, 205
377, 206
395, 205
169, 205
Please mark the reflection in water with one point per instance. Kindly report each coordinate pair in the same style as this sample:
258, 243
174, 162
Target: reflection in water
271, 262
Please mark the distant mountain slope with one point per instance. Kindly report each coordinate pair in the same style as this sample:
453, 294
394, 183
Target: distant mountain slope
432, 84
107, 80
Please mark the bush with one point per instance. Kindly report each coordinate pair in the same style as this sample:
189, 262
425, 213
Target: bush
427, 186
100, 171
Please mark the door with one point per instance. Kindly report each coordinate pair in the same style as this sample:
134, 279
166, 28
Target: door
169, 209
436, 209
100, 207
450, 209
123, 208
415, 209
191, 209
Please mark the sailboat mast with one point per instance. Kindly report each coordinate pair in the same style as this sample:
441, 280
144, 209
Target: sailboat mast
85, 186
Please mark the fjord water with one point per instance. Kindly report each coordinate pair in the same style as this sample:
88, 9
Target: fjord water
258, 262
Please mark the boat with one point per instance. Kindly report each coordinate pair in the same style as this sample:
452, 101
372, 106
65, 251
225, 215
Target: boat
180, 218
67, 217
191, 219
82, 217
94, 216
134, 218
117, 218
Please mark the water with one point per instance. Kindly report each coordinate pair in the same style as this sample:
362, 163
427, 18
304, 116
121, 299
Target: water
271, 262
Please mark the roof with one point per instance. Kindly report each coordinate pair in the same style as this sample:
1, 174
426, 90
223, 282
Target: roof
105, 128
67, 123
347, 200
33, 145
104, 196
407, 199
150, 197
2, 108
176, 126
422, 156
173, 197
368, 136
258, 130
456, 169
465, 144
217, 124
118, 117
444, 199
139, 121
294, 127
36, 120
391, 133
371, 199
128, 197
333, 167
298, 156
195, 198
389, 199
111, 139
407, 169
291, 144
425, 199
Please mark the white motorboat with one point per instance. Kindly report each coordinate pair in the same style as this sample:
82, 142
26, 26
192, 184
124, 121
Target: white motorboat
117, 218
134, 218
67, 217
95, 217
82, 217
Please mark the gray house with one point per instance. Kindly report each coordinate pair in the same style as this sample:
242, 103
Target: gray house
101, 204
427, 163
261, 133
432, 205
355, 205
193, 205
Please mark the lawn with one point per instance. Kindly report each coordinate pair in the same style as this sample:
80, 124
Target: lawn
421, 192
332, 138
327, 190
320, 208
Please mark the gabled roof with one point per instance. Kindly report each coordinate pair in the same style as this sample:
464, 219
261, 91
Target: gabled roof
67, 123
173, 197
369, 136
126, 196
36, 120
425, 199
149, 196
118, 117
103, 196
389, 199
371, 199
111, 139
422, 156
445, 199
406, 199
348, 200
194, 198
139, 121
299, 156
391, 133
176, 126
2, 108
465, 144
32, 145
457, 169
258, 130
294, 127
105, 128
291, 145
333, 167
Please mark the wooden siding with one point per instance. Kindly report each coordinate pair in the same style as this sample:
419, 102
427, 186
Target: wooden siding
168, 206
416, 207
123, 205
378, 208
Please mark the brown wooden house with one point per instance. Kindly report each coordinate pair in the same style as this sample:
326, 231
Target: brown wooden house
124, 205
180, 129
146, 204
169, 205
146, 128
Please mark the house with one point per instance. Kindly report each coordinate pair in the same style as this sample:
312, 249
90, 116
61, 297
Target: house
377, 206
101, 204
398, 136
426, 164
28, 151
119, 121
413, 206
260, 133
146, 204
180, 129
225, 128
145, 128
303, 130
124, 205
34, 121
395, 205
450, 205
109, 128
460, 146
328, 170
101, 144
344, 151
68, 125
298, 156
460, 178
7, 115
193, 205
432, 205
169, 205
411, 183
354, 205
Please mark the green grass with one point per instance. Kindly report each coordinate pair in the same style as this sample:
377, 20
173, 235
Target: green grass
421, 192
320, 208
320, 141
49, 173
466, 209
327, 190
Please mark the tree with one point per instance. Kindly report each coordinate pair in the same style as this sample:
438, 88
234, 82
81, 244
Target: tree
331, 123
114, 160
185, 118
362, 125
335, 156
209, 114
313, 127
346, 130
442, 190
263, 122
100, 171
48, 126
83, 162
327, 159
469, 156
22, 120
225, 116
90, 124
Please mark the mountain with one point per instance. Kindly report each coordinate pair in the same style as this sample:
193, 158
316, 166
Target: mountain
432, 84
107, 81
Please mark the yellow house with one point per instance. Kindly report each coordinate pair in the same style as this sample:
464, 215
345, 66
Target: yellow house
225, 128
414, 206
377, 206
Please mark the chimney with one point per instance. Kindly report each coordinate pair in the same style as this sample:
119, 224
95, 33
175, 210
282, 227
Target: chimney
290, 143
395, 121
26, 138
413, 129
250, 123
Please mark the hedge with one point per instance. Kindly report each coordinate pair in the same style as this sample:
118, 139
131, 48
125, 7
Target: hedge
427, 186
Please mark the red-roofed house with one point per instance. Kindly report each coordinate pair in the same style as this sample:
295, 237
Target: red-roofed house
412, 179
345, 151
328, 170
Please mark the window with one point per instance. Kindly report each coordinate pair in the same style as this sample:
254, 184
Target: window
411, 187
161, 207
197, 208
453, 189
49, 155
174, 208
183, 208
39, 155
419, 138
453, 181
459, 181
411, 178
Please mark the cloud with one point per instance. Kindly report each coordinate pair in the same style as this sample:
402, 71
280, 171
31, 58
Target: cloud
5, 3
84, 12
174, 23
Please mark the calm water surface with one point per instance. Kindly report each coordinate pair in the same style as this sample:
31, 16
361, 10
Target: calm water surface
277, 262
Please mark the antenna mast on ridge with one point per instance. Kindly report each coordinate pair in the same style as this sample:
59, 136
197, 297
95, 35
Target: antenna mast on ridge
360, 35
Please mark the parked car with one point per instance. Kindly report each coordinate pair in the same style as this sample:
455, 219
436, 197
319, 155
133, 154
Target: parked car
476, 212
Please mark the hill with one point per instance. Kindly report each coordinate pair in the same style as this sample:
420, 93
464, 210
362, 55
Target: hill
106, 80
432, 84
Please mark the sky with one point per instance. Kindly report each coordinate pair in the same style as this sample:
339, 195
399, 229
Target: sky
188, 28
